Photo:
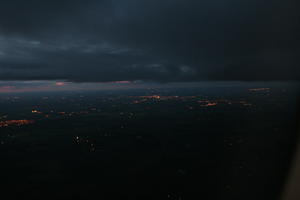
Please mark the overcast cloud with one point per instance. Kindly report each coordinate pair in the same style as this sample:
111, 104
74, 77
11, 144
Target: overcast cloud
157, 40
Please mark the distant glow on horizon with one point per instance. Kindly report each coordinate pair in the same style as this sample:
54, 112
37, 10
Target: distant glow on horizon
122, 82
60, 83
6, 88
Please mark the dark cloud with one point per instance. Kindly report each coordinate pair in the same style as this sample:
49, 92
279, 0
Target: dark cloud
160, 40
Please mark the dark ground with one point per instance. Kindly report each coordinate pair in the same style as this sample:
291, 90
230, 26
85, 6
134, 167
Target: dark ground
197, 143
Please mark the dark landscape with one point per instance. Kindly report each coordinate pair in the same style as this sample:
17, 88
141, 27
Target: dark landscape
228, 141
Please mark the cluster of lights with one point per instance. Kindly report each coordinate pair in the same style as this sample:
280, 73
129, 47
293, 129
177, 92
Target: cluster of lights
160, 98
36, 111
89, 143
63, 113
208, 103
259, 89
15, 122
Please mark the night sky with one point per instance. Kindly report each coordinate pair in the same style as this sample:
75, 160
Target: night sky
157, 40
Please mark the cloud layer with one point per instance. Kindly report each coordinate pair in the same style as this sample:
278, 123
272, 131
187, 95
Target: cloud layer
157, 40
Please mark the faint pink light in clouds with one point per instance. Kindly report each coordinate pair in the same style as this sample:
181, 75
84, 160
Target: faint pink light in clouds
59, 83
122, 82
7, 88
